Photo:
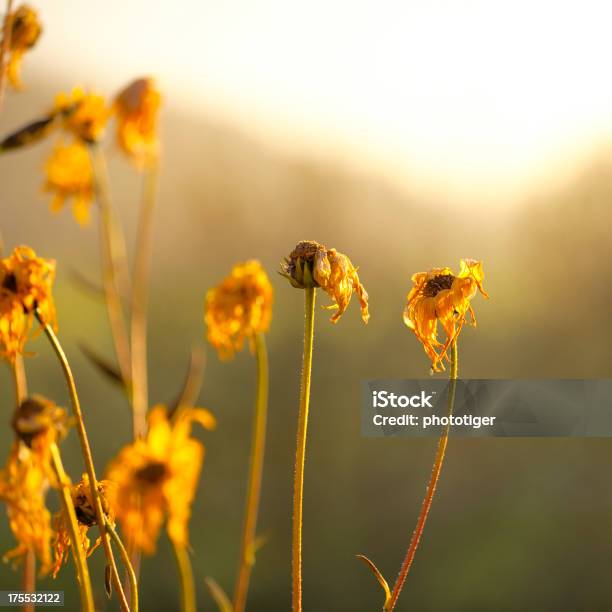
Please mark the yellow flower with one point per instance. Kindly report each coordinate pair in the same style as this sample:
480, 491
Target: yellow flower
240, 307
25, 287
84, 114
440, 295
70, 176
137, 109
156, 477
312, 264
25, 480
86, 517
25, 31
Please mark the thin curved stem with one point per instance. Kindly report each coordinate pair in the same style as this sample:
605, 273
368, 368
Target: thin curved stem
188, 596
300, 451
125, 557
431, 488
28, 582
139, 302
78, 554
19, 380
258, 447
113, 258
89, 464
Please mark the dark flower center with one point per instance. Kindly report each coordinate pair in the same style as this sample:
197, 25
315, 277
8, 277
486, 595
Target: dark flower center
30, 420
152, 473
84, 511
10, 283
438, 283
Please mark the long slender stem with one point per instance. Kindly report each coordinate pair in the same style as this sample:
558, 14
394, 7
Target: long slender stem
258, 447
300, 451
78, 554
431, 488
140, 282
128, 567
4, 50
19, 380
113, 257
87, 456
188, 595
28, 582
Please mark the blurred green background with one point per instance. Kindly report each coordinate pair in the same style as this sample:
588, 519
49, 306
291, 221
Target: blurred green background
516, 524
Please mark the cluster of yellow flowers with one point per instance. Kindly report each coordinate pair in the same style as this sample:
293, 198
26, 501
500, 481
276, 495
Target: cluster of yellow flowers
82, 118
38, 424
151, 480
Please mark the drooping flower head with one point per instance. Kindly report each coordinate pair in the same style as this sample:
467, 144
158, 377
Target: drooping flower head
38, 423
155, 477
25, 31
86, 517
25, 289
69, 176
240, 307
137, 110
312, 264
439, 295
84, 115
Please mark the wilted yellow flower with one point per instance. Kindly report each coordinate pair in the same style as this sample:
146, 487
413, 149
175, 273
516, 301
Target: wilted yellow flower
24, 481
440, 295
86, 517
312, 264
84, 114
70, 176
240, 307
137, 109
156, 477
25, 31
25, 287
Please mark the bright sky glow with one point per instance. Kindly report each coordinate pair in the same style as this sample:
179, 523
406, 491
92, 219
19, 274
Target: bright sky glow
477, 95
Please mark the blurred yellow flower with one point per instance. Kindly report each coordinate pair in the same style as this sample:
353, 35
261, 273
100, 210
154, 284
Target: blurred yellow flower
440, 295
25, 287
84, 114
38, 423
86, 516
240, 307
69, 175
137, 109
25, 31
156, 477
312, 264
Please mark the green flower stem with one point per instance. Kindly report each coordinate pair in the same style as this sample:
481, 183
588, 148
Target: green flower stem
139, 302
300, 451
188, 595
89, 464
78, 554
431, 489
128, 566
258, 447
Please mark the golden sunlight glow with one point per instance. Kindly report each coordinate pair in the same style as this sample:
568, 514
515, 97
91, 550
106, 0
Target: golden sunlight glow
473, 94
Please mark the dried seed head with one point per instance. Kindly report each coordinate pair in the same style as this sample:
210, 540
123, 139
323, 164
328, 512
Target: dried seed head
84, 507
300, 267
37, 416
312, 265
